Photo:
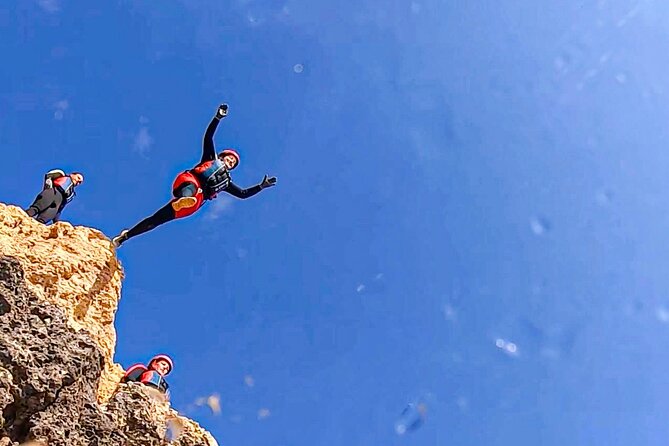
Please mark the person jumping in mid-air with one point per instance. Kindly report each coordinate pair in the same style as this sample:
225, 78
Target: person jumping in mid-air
57, 192
193, 187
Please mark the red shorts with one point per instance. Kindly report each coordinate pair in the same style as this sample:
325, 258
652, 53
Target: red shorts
180, 180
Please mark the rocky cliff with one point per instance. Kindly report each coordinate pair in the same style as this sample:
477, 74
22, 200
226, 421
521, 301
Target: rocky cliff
59, 290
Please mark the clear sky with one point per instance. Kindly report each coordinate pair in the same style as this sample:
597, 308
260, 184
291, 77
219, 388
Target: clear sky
471, 209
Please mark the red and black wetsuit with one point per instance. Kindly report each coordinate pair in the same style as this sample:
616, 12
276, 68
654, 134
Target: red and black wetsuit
203, 182
141, 374
52, 200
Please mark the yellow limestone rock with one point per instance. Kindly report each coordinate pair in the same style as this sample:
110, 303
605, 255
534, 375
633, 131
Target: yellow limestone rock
74, 268
187, 430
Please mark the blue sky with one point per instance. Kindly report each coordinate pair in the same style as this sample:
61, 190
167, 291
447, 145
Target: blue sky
471, 209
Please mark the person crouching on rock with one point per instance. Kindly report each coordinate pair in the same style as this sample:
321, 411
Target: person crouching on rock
192, 188
57, 192
152, 375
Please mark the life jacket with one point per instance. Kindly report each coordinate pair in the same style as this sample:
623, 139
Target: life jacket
213, 177
66, 187
134, 373
154, 379
141, 374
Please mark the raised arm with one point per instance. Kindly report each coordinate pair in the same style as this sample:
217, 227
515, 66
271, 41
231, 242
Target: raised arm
238, 192
208, 148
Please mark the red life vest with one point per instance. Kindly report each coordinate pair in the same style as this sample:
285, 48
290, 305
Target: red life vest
66, 186
213, 176
209, 177
134, 373
139, 373
154, 379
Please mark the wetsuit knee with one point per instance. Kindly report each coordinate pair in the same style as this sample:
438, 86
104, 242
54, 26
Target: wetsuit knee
186, 190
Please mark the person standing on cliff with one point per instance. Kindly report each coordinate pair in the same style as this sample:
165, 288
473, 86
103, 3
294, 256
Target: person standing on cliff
153, 374
193, 187
58, 191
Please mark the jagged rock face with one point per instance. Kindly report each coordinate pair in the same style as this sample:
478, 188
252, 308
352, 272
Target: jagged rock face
43, 359
49, 377
59, 289
74, 268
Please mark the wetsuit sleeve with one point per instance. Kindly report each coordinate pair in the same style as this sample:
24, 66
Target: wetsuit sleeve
208, 149
238, 192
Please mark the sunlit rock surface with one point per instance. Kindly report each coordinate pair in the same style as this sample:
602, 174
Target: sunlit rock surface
59, 290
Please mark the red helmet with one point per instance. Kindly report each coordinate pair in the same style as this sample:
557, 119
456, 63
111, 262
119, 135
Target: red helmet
165, 358
230, 152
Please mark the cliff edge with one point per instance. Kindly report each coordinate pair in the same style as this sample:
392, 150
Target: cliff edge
59, 291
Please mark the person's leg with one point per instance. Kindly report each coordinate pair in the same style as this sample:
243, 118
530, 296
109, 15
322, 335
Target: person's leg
185, 196
186, 190
46, 205
41, 202
163, 215
32, 210
52, 213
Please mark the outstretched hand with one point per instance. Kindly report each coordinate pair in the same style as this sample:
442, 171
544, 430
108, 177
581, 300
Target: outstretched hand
222, 111
268, 182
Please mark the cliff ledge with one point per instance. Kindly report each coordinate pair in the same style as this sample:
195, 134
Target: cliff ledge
59, 290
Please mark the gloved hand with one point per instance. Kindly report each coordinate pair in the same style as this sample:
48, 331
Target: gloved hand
222, 111
268, 182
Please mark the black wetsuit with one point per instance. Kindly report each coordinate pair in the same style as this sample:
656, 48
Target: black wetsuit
50, 203
167, 213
